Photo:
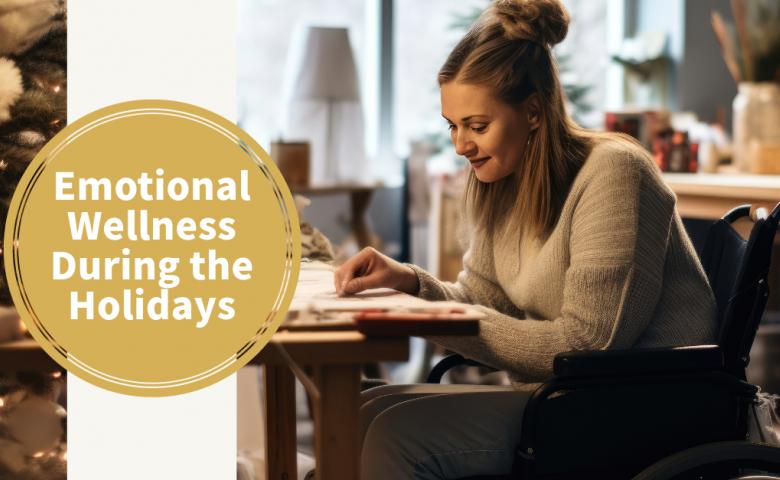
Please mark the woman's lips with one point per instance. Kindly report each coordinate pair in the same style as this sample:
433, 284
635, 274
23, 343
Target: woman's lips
478, 162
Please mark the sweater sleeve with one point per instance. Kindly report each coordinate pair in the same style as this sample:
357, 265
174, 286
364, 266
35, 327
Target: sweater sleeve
618, 238
476, 283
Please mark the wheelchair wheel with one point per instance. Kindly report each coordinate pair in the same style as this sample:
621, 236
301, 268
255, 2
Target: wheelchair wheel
718, 461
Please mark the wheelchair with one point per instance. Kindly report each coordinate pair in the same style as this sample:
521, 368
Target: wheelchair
660, 413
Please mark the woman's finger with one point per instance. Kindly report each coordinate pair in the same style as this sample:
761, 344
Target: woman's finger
345, 271
358, 284
349, 269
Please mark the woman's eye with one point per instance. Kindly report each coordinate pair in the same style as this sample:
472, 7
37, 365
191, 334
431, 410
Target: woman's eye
479, 128
451, 127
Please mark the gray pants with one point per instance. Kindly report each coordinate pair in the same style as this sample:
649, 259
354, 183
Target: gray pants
439, 431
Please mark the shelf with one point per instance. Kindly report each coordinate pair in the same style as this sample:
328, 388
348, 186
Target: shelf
710, 195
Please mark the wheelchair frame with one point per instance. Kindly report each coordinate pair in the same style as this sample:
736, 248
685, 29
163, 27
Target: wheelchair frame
615, 414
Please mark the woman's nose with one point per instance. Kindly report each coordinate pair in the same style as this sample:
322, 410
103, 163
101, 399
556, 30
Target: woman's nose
463, 145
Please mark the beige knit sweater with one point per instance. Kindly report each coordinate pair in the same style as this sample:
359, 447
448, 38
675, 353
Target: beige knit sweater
617, 271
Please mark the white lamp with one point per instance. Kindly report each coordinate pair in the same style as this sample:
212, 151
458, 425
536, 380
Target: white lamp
325, 108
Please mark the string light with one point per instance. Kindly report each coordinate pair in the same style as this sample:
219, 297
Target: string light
40, 118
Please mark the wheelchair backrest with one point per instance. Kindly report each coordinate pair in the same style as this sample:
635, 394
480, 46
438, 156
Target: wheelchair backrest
737, 269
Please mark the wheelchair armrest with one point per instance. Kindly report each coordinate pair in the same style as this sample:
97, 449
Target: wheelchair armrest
449, 362
638, 361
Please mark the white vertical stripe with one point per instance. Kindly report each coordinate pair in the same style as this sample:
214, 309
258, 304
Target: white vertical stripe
614, 75
178, 50
174, 49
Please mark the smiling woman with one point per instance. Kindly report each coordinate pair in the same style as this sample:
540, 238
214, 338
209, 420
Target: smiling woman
489, 133
575, 245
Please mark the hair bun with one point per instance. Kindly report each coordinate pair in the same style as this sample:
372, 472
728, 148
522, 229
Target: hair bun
541, 21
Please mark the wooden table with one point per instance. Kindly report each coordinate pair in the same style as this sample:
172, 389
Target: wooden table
708, 196
321, 344
336, 358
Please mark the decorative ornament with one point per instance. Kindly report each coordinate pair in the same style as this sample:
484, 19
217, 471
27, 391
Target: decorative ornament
10, 87
32, 443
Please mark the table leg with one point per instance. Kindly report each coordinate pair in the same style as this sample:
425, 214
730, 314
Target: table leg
336, 434
359, 202
280, 433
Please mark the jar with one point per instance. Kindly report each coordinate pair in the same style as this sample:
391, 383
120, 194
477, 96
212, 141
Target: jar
757, 127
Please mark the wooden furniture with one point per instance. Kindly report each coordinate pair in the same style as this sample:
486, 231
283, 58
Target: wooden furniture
360, 198
708, 196
336, 359
292, 158
445, 248
327, 358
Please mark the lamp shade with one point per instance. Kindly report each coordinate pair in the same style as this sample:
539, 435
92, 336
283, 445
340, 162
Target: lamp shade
324, 107
327, 70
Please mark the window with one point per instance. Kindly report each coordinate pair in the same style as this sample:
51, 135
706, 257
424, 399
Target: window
266, 31
425, 33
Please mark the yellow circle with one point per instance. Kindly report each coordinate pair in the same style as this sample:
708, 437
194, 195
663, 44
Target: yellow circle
133, 234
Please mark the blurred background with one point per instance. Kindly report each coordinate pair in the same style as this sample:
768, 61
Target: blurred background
344, 95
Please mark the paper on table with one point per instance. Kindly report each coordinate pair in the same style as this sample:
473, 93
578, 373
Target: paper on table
316, 292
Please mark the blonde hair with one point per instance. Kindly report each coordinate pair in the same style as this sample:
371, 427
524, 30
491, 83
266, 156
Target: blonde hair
508, 49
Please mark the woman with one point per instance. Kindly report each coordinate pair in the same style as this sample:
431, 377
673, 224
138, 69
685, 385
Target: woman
575, 245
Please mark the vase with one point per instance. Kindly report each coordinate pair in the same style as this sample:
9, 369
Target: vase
757, 127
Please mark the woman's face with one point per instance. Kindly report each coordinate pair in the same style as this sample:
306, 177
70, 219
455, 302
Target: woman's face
491, 134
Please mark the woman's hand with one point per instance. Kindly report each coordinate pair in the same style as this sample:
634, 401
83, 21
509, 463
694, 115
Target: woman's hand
371, 269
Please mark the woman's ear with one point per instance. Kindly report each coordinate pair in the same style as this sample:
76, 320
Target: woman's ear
534, 111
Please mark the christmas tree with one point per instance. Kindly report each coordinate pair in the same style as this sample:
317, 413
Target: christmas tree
32, 90
32, 111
